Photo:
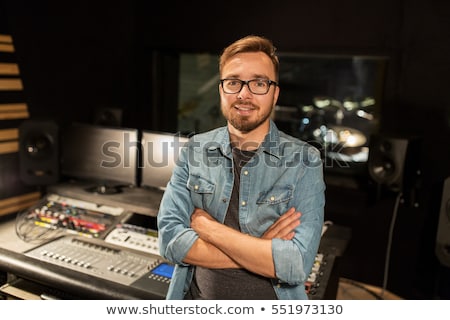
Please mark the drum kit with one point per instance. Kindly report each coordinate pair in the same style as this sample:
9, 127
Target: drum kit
340, 130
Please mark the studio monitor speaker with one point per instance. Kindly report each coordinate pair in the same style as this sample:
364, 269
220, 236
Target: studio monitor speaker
394, 162
39, 152
443, 230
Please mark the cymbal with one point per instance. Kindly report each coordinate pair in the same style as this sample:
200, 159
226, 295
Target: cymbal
349, 137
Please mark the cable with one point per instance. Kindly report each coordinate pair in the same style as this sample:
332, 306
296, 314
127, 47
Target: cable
389, 244
28, 231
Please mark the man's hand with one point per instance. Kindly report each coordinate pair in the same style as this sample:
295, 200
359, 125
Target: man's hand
284, 226
203, 223
203, 253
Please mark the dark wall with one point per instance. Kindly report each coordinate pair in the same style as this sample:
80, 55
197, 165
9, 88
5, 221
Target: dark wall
75, 58
292, 25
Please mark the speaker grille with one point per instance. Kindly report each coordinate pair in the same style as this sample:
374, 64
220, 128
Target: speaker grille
386, 161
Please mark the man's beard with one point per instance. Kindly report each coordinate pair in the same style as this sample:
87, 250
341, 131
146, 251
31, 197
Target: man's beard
243, 123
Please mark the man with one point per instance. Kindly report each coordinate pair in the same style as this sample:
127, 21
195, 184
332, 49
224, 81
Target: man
242, 215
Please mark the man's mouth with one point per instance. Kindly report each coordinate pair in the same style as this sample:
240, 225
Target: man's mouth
244, 108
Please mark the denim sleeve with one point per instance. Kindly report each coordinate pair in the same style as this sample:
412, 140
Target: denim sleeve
294, 259
177, 247
174, 232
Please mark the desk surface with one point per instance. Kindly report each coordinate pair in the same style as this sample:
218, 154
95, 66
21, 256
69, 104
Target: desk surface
8, 237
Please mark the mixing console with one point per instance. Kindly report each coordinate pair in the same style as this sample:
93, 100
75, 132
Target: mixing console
109, 262
128, 255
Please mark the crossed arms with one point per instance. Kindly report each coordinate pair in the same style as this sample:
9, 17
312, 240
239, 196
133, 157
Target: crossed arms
220, 246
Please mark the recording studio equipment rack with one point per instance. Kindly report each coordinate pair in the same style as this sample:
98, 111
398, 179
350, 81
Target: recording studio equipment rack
58, 213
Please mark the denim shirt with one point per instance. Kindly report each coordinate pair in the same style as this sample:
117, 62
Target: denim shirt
285, 172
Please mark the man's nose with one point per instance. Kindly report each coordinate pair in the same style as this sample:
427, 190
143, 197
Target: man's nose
245, 91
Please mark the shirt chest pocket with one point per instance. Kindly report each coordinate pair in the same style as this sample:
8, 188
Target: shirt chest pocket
202, 191
278, 196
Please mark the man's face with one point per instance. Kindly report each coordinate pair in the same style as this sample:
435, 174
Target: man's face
245, 110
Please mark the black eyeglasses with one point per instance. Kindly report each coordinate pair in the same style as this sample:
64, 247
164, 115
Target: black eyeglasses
256, 86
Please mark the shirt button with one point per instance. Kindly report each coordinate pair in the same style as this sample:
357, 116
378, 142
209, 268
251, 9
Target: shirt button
246, 173
243, 203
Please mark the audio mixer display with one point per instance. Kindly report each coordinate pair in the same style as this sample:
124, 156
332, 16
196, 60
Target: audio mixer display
134, 237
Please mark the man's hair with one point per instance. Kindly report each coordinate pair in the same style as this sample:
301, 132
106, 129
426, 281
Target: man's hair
250, 43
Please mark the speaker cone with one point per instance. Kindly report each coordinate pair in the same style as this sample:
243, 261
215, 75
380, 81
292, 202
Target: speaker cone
38, 145
383, 170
